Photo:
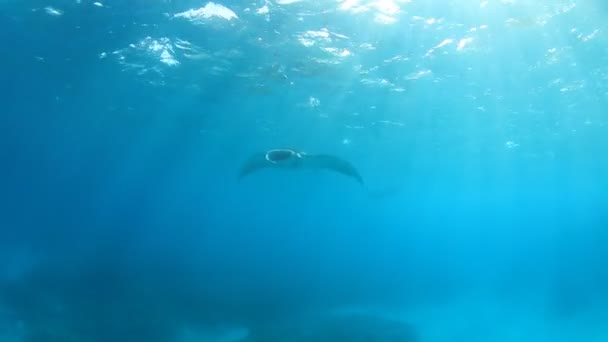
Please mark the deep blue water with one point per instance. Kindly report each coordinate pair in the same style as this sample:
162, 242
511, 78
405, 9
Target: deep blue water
478, 127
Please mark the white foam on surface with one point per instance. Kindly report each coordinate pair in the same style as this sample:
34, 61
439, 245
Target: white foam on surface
210, 10
53, 11
287, 2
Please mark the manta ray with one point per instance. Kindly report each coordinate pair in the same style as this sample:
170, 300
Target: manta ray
284, 158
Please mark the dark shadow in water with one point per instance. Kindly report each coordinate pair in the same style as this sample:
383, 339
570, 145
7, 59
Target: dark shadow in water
110, 296
330, 328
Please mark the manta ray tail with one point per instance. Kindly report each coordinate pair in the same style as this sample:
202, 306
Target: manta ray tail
336, 164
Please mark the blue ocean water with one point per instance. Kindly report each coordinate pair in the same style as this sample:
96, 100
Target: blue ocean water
479, 129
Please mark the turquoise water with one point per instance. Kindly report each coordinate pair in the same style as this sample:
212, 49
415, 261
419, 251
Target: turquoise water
478, 128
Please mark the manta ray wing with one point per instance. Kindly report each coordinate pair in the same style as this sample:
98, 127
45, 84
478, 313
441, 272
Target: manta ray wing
254, 163
328, 162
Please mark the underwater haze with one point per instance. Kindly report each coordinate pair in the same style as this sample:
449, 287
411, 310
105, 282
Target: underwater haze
478, 127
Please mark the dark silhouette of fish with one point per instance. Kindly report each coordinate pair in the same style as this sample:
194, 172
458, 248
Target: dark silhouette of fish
291, 159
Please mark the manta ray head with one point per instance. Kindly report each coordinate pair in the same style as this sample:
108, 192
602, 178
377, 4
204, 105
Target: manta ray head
283, 157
